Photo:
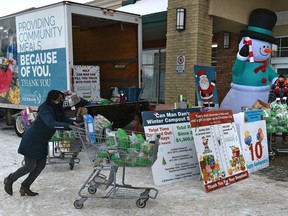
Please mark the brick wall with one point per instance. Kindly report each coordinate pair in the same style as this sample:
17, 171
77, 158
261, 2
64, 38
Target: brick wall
194, 43
225, 61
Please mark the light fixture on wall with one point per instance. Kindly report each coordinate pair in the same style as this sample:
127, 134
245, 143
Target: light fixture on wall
226, 42
120, 66
180, 19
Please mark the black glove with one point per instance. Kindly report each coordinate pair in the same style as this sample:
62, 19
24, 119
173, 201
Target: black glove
244, 51
213, 81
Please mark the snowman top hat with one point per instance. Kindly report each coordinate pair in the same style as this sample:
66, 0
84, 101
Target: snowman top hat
261, 23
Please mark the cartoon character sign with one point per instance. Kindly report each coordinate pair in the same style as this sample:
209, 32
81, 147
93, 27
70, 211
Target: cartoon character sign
251, 73
205, 89
205, 142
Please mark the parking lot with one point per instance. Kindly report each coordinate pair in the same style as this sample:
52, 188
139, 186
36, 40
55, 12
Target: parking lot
263, 193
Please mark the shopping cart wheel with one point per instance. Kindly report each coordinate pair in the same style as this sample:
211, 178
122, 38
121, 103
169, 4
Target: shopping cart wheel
92, 190
78, 205
71, 166
141, 203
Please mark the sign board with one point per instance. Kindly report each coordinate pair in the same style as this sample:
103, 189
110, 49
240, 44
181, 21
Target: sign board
206, 87
254, 144
253, 115
180, 64
176, 159
218, 149
41, 54
87, 82
253, 136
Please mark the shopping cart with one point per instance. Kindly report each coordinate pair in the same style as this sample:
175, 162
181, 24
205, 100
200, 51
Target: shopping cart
64, 147
106, 155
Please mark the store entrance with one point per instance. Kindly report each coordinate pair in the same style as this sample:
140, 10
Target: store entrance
282, 69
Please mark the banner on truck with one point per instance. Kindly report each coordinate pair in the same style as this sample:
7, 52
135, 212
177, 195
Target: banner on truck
9, 85
41, 54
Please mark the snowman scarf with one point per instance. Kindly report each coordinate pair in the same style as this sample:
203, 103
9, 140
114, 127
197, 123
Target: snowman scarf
248, 41
262, 67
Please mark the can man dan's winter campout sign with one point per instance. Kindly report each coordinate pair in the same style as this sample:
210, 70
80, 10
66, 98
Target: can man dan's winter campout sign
176, 158
218, 149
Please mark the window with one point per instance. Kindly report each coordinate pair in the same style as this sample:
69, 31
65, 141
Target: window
153, 70
214, 54
282, 49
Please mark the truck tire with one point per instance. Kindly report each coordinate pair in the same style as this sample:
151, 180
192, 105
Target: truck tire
19, 126
2, 113
9, 117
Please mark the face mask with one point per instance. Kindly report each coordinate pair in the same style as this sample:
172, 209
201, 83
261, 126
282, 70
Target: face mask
281, 83
60, 104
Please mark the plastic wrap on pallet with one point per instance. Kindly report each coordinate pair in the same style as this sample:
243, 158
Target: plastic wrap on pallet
277, 121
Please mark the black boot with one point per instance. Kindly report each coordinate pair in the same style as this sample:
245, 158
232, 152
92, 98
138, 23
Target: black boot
26, 191
8, 185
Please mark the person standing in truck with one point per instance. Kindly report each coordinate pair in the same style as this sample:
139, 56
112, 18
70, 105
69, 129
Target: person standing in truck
10, 50
34, 143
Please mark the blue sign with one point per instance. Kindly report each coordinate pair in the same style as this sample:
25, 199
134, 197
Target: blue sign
159, 117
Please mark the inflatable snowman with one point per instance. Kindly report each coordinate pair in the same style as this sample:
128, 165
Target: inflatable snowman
251, 74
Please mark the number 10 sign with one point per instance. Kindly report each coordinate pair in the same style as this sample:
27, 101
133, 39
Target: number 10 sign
254, 145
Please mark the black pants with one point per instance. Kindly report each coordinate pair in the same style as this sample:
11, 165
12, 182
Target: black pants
31, 166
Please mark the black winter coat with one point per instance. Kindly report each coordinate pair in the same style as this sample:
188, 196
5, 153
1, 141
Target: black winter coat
34, 143
277, 91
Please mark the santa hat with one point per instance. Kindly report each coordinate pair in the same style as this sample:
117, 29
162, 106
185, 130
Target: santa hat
201, 74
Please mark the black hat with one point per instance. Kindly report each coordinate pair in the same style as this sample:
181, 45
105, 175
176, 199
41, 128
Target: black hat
261, 23
10, 32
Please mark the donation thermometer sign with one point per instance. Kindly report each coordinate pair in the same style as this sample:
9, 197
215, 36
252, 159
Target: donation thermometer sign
218, 148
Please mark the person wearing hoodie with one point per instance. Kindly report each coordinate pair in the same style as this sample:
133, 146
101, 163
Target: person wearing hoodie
34, 143
279, 93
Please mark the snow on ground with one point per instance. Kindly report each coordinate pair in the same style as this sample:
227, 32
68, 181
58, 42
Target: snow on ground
58, 188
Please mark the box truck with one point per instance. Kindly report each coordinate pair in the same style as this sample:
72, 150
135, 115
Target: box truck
67, 45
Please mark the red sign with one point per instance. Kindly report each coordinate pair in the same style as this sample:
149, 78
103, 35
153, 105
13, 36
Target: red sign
211, 118
218, 148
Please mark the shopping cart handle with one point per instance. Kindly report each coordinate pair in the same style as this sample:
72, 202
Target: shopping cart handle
73, 127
